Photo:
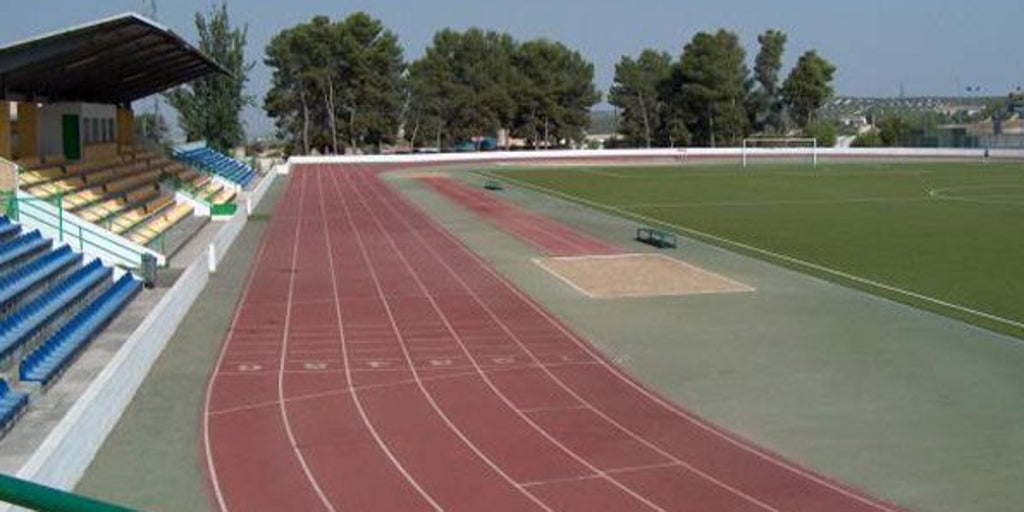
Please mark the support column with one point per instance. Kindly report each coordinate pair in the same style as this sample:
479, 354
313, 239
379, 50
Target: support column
28, 130
125, 130
5, 129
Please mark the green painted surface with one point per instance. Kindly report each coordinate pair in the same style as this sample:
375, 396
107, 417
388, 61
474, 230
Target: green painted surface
152, 459
948, 231
917, 408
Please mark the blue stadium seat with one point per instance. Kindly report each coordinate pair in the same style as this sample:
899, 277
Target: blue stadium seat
8, 230
51, 358
20, 326
219, 164
19, 281
22, 246
11, 404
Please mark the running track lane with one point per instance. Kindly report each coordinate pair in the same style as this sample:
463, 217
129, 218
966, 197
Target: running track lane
375, 363
551, 237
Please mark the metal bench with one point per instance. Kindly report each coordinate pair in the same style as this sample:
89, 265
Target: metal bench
656, 237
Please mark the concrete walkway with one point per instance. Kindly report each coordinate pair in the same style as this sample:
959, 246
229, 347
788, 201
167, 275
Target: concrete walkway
151, 460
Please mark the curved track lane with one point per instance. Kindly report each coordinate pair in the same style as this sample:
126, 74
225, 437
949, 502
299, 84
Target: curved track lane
375, 363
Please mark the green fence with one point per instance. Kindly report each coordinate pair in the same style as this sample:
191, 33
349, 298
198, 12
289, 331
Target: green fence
50, 217
40, 497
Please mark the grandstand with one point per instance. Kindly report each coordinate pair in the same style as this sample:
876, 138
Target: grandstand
51, 306
83, 206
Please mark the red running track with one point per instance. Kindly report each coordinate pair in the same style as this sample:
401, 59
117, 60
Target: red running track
551, 237
375, 363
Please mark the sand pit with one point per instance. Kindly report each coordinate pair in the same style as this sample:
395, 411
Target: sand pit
637, 275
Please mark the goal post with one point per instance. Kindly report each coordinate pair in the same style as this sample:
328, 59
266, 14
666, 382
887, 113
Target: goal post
776, 148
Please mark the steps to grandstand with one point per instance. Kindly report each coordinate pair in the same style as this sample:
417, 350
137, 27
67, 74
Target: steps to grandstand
217, 163
51, 306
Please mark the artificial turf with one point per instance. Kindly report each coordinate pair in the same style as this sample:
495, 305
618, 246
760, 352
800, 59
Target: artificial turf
950, 231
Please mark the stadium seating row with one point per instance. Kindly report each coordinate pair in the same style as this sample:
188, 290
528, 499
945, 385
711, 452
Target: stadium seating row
123, 193
51, 306
51, 358
219, 164
12, 403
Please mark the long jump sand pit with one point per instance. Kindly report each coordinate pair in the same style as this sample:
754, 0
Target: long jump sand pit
637, 275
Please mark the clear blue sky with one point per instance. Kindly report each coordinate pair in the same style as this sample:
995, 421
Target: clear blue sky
927, 45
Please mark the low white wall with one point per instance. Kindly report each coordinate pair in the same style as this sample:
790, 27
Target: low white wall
65, 454
675, 153
62, 458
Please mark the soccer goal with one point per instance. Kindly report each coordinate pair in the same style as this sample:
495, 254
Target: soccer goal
780, 149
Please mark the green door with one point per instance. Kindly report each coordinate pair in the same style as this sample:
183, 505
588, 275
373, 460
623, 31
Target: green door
72, 139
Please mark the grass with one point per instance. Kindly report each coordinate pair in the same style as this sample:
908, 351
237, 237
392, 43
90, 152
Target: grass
946, 231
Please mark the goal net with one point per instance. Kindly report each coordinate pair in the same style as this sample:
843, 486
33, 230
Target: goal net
780, 149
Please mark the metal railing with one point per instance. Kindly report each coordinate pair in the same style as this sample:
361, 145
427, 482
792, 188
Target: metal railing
40, 497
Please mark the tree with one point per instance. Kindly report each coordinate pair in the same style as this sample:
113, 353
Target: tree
714, 88
475, 83
209, 107
639, 91
463, 83
152, 127
808, 86
554, 92
894, 130
765, 105
336, 84
868, 139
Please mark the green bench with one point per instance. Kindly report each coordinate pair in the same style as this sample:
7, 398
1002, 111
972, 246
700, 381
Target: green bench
493, 185
657, 238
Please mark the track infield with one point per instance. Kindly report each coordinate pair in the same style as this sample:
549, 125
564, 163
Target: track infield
940, 235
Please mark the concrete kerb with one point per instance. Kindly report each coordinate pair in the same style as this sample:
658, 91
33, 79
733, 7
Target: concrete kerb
65, 454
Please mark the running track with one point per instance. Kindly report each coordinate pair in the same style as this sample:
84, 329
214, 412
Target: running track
552, 238
375, 363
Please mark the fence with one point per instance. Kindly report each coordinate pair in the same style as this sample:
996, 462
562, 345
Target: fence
53, 221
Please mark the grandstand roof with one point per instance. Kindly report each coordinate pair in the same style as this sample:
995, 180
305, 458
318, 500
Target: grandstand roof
113, 60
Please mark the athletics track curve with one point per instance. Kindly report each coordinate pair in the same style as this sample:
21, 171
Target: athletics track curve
375, 363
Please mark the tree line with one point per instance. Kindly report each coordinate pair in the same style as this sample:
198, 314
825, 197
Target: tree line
709, 97
345, 85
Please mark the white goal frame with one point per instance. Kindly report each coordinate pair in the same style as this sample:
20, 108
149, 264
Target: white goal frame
746, 152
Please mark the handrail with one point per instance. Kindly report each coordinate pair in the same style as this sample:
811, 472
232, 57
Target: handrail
31, 495
66, 226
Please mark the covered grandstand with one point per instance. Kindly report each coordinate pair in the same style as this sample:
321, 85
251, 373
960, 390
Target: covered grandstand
87, 212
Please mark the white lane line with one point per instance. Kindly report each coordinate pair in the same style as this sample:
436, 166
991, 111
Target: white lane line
398, 334
547, 370
594, 470
253, 270
341, 331
781, 257
284, 355
775, 460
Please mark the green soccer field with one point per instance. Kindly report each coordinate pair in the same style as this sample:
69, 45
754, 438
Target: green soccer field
922, 233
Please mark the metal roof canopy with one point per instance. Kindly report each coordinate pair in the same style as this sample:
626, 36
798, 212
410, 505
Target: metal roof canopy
114, 61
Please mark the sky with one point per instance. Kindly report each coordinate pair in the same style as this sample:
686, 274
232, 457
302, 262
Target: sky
929, 47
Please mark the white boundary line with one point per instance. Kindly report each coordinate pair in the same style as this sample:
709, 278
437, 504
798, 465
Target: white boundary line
738, 286
595, 471
348, 369
546, 368
405, 350
282, 406
772, 255
668, 406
